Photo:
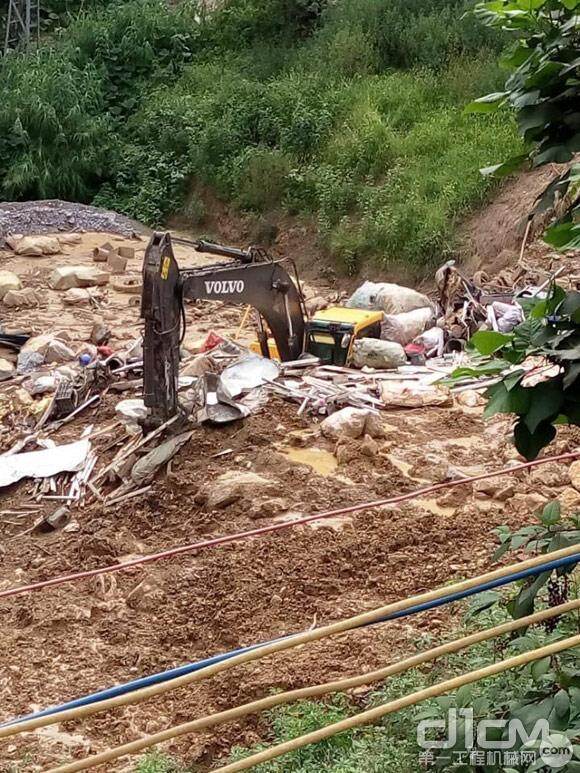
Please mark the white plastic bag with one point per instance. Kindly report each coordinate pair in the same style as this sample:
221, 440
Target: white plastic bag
375, 353
404, 327
387, 297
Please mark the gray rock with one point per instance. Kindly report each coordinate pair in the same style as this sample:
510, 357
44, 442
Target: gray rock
25, 298
66, 277
7, 369
8, 281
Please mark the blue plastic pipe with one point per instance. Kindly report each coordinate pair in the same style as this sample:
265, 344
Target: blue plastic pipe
173, 673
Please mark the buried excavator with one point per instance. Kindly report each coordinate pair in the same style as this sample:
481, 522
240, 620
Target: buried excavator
249, 277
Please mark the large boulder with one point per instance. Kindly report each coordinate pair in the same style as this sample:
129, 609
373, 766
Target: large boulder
36, 246
8, 281
65, 277
25, 298
352, 422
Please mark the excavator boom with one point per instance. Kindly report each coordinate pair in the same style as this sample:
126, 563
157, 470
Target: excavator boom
250, 278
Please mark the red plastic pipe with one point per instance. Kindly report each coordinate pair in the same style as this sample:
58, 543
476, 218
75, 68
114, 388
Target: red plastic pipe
278, 526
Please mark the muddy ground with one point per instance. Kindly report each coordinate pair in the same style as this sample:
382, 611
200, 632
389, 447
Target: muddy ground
61, 643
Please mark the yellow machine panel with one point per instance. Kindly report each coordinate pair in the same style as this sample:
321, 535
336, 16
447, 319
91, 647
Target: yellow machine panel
359, 318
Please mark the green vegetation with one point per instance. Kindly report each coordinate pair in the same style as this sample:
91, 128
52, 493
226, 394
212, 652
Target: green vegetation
541, 388
543, 90
157, 762
350, 113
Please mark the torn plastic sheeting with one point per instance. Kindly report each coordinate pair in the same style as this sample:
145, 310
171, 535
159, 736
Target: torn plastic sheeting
143, 471
217, 405
248, 373
44, 464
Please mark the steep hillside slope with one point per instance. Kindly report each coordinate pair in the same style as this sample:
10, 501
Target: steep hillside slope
350, 114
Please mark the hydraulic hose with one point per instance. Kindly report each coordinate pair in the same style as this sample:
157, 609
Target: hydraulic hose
230, 715
372, 715
172, 552
418, 603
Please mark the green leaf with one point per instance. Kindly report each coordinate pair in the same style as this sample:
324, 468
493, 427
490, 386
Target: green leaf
551, 513
516, 57
530, 5
546, 399
463, 696
491, 368
563, 236
570, 304
499, 400
483, 601
489, 341
523, 603
529, 444
488, 104
555, 154
540, 667
561, 704
506, 167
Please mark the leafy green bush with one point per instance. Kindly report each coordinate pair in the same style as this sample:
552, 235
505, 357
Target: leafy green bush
541, 388
53, 127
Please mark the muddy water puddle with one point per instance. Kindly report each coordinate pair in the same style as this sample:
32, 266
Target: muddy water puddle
322, 462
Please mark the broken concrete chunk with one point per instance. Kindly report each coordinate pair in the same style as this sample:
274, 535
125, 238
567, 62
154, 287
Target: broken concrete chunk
374, 353
198, 366
126, 252
100, 333
59, 352
66, 277
38, 344
25, 298
100, 255
404, 327
7, 369
12, 240
35, 246
390, 298
315, 304
233, 485
353, 423
8, 281
413, 394
116, 263
129, 284
77, 296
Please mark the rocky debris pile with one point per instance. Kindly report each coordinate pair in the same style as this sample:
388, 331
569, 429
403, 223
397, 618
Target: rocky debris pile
46, 217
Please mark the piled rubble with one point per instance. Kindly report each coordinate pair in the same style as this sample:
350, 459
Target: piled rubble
48, 379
